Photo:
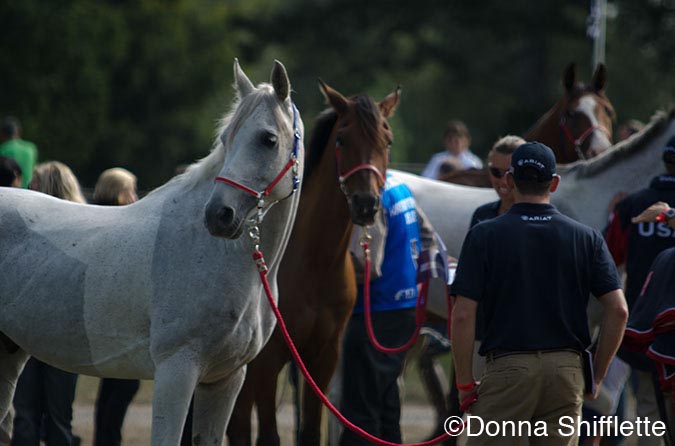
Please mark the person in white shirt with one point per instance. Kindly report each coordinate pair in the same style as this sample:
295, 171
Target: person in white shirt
456, 140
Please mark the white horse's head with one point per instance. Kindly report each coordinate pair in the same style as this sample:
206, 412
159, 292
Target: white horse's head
260, 145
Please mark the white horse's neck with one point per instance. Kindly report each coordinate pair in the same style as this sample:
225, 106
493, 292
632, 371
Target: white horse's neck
275, 228
588, 187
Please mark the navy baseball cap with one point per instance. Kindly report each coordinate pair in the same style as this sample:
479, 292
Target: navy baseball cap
534, 162
669, 151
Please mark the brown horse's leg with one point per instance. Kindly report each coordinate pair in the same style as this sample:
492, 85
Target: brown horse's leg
268, 364
239, 427
322, 368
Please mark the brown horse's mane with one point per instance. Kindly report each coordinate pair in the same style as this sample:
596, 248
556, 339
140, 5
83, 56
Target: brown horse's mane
368, 115
624, 149
323, 127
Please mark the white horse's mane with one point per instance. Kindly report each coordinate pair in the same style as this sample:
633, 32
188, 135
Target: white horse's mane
206, 169
585, 169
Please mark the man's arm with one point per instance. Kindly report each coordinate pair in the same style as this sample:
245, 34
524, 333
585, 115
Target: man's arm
614, 317
462, 337
652, 212
427, 239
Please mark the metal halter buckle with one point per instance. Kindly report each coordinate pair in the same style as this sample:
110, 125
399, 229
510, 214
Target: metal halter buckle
254, 235
365, 240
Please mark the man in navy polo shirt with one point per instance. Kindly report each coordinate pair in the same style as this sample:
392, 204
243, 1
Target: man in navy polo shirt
532, 270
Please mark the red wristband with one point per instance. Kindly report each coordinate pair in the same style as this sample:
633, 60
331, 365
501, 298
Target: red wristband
666, 215
466, 387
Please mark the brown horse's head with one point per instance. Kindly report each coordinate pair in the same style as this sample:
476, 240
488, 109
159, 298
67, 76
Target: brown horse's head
361, 138
579, 125
585, 116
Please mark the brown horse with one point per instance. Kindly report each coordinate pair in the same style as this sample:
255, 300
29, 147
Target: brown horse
344, 174
579, 125
470, 177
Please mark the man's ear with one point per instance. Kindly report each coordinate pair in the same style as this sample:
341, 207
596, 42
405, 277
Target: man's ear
554, 183
509, 180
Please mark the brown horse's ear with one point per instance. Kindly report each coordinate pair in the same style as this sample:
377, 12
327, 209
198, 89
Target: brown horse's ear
388, 104
599, 78
570, 77
334, 98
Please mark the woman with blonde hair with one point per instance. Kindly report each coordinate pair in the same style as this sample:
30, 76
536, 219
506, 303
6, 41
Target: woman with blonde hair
115, 187
56, 179
45, 394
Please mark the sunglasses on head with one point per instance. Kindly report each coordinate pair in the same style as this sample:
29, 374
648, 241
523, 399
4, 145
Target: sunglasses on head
497, 172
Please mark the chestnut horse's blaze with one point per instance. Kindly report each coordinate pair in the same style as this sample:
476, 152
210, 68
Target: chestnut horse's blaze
579, 125
344, 174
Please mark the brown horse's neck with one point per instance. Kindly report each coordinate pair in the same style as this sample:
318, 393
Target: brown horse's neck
323, 223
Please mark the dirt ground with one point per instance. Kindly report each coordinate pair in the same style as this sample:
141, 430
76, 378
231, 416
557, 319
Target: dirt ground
417, 420
417, 417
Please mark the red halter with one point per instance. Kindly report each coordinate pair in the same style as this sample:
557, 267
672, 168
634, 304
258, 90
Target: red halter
291, 164
578, 142
342, 177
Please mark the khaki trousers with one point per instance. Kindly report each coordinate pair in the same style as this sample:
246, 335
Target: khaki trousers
538, 387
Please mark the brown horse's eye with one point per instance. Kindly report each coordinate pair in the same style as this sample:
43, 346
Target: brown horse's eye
268, 139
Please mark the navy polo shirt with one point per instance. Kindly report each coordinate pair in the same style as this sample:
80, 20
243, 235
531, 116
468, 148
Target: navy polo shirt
645, 240
485, 212
532, 269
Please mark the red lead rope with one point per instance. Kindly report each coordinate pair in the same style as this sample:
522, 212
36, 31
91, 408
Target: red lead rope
420, 310
262, 270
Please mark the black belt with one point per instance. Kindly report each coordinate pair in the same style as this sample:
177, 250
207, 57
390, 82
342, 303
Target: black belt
498, 352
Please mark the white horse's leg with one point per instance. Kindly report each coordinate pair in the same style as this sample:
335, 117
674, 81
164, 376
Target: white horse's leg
175, 381
213, 407
12, 361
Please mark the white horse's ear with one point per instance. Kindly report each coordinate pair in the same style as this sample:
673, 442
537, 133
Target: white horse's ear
570, 77
280, 82
244, 85
388, 104
334, 98
599, 78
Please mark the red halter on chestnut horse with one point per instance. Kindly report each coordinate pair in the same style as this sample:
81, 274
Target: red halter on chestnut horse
344, 174
579, 125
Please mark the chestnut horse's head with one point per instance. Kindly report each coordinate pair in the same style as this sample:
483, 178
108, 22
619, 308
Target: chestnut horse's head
579, 126
586, 114
361, 139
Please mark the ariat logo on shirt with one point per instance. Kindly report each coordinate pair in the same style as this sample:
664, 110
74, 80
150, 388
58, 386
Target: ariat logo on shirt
536, 217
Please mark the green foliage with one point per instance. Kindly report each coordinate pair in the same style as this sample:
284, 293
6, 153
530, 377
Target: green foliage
140, 84
137, 84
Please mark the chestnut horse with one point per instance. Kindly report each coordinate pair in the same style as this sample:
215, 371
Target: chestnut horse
470, 177
344, 174
579, 125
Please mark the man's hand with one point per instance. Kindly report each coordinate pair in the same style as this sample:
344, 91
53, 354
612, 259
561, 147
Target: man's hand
651, 212
465, 395
594, 396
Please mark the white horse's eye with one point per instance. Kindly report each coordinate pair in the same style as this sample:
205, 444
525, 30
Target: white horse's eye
268, 139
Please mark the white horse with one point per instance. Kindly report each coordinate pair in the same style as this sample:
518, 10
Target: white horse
145, 291
585, 191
